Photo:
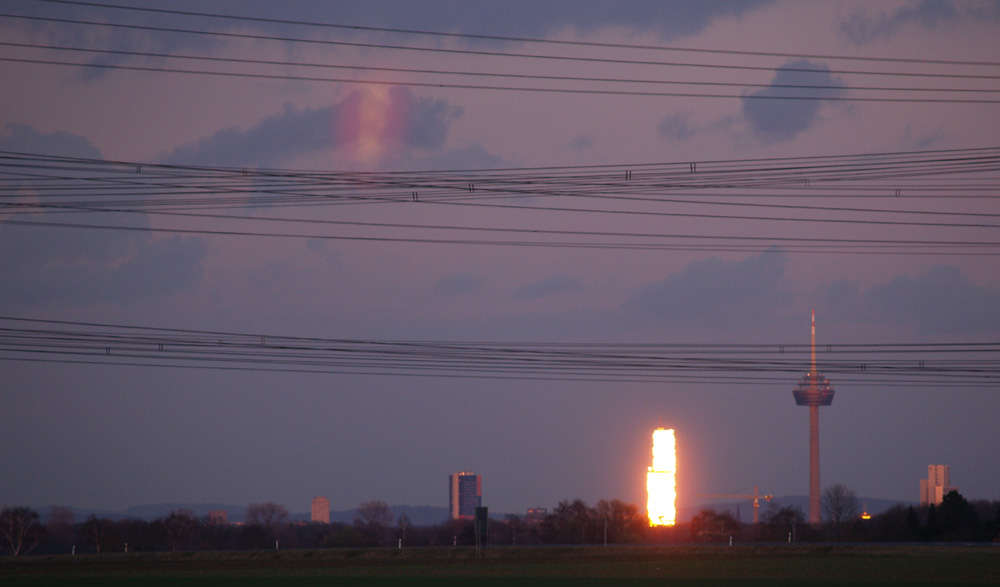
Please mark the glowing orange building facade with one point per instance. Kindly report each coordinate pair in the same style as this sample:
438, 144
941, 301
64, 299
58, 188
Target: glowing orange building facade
661, 486
935, 486
320, 510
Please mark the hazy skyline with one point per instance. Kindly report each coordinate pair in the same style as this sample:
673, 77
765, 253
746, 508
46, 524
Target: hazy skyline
103, 436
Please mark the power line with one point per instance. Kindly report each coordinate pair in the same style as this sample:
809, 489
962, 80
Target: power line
65, 185
835, 94
520, 76
455, 86
527, 39
953, 364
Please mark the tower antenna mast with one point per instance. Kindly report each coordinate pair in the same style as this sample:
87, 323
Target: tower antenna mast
813, 390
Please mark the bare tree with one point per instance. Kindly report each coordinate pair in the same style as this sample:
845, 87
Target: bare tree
180, 527
840, 505
711, 526
20, 531
405, 527
782, 523
374, 513
98, 531
59, 526
271, 516
374, 519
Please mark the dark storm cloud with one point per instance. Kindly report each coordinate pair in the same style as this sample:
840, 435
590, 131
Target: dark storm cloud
83, 266
939, 302
715, 294
781, 119
410, 123
863, 29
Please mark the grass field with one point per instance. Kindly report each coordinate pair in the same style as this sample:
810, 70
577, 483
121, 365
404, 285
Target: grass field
618, 565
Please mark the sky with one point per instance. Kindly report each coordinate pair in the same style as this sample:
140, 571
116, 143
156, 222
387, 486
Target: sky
389, 94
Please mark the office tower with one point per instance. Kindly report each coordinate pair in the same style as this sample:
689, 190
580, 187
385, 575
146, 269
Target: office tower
465, 494
320, 510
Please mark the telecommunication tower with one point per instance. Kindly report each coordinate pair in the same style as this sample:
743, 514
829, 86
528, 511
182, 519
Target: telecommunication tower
813, 390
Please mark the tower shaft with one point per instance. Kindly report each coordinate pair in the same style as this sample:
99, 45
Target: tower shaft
814, 486
814, 504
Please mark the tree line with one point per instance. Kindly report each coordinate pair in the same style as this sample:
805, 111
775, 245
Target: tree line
267, 526
955, 519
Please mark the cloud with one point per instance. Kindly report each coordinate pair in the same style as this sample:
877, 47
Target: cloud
581, 143
122, 39
459, 284
863, 29
676, 127
74, 266
715, 294
78, 267
379, 123
270, 142
780, 119
555, 284
525, 18
912, 141
22, 138
470, 157
941, 301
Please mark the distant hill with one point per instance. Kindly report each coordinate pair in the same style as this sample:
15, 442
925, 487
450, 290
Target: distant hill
419, 515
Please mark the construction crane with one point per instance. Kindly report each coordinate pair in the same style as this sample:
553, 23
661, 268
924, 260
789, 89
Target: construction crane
755, 497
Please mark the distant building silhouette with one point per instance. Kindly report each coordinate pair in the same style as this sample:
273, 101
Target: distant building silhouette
465, 494
320, 510
218, 517
935, 486
536, 515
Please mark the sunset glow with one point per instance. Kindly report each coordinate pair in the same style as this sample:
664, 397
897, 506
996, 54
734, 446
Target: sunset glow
660, 483
369, 122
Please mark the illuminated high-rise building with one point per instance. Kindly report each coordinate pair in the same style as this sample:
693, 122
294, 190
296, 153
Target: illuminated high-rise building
935, 486
661, 486
813, 390
465, 494
320, 510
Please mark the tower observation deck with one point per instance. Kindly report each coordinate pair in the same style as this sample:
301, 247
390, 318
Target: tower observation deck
814, 390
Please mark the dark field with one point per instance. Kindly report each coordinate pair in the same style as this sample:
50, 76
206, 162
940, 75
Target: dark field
619, 565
